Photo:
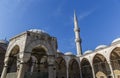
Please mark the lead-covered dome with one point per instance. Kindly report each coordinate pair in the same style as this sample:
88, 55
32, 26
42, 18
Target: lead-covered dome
38, 31
58, 51
116, 40
88, 51
100, 47
3, 41
68, 53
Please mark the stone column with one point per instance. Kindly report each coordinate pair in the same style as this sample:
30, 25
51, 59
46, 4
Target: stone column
4, 72
34, 60
93, 71
112, 74
32, 67
21, 71
67, 71
51, 67
80, 72
24, 57
92, 66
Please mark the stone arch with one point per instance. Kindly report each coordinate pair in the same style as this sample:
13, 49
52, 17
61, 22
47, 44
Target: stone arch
86, 68
74, 69
61, 67
101, 66
38, 63
40, 43
13, 62
41, 55
11, 46
115, 61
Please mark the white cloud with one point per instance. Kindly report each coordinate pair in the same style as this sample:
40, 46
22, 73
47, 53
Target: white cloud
58, 10
85, 14
71, 44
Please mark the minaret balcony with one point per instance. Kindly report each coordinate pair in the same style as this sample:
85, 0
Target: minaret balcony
76, 29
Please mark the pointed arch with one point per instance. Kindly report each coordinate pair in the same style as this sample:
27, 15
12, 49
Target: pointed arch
60, 67
38, 62
101, 66
38, 43
74, 69
86, 68
13, 64
115, 61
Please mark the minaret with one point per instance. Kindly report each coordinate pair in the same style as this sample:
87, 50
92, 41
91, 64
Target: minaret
77, 36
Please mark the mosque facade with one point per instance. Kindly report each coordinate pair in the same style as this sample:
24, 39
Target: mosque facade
34, 54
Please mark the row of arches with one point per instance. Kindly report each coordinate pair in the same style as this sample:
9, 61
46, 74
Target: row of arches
38, 63
101, 67
61, 68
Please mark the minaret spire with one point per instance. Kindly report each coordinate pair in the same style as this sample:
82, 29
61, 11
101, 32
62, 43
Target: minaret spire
77, 35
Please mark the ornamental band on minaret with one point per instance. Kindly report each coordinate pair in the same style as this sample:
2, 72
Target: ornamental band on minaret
77, 36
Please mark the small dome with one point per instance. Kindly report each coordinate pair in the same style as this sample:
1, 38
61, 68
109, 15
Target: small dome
37, 31
100, 47
116, 40
69, 53
58, 51
88, 51
4, 41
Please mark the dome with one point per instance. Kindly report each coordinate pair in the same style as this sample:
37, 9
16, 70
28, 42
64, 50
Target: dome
88, 51
100, 47
4, 41
116, 40
37, 31
58, 51
69, 53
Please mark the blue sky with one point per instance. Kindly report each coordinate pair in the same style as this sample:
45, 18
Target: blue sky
99, 20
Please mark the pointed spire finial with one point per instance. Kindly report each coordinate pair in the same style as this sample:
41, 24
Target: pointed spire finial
75, 17
75, 20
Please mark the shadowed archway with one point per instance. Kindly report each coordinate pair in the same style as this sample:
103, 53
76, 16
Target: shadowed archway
37, 66
115, 61
13, 64
101, 66
74, 69
86, 69
60, 68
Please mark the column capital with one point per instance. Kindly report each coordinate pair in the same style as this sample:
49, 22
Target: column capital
22, 62
108, 61
6, 59
5, 65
